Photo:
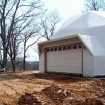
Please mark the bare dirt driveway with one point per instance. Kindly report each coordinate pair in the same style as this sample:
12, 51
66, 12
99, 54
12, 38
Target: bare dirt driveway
33, 88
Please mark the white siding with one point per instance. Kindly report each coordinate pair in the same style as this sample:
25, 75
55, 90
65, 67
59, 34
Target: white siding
88, 63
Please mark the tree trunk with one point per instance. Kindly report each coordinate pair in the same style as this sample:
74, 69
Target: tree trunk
24, 63
13, 65
4, 63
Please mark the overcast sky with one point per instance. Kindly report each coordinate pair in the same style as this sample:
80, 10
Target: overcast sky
67, 9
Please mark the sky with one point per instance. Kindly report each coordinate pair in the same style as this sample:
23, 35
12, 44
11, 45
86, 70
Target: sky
66, 8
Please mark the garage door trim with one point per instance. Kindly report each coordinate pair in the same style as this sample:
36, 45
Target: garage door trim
45, 56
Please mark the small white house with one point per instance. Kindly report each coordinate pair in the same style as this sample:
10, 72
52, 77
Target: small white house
78, 47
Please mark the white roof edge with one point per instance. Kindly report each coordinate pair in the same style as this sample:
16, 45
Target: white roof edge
66, 37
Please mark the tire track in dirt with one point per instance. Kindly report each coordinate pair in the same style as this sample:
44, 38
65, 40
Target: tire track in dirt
11, 88
8, 94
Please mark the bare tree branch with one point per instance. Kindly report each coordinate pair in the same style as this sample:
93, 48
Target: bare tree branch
33, 43
48, 24
95, 5
13, 23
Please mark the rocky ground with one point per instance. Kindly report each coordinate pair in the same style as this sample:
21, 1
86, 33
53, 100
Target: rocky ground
33, 88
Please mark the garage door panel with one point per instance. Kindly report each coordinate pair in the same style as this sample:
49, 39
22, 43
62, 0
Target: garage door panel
65, 63
69, 61
65, 70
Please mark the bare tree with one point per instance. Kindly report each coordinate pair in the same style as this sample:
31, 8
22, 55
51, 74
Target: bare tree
14, 52
14, 48
32, 33
16, 15
49, 22
95, 5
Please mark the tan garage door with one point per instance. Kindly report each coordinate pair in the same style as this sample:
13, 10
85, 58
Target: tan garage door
66, 59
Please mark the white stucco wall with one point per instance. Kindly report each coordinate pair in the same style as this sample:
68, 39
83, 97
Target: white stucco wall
41, 63
88, 63
93, 65
99, 65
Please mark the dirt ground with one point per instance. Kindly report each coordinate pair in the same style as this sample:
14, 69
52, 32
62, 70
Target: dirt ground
33, 88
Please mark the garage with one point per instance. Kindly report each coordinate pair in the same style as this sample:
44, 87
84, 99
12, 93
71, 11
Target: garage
65, 59
64, 54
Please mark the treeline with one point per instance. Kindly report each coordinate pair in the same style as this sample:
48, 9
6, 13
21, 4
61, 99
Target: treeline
30, 65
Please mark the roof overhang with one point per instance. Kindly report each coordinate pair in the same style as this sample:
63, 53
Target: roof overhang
90, 42
58, 39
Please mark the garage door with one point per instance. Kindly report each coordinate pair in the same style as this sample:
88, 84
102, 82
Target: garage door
65, 59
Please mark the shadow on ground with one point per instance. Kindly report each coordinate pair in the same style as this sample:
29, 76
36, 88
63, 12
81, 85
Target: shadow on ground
60, 77
28, 99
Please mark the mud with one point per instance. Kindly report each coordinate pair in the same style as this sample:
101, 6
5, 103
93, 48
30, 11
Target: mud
33, 88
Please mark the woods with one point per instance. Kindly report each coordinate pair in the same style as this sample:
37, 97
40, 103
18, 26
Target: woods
21, 20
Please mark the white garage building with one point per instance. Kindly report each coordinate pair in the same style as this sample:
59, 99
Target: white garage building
78, 47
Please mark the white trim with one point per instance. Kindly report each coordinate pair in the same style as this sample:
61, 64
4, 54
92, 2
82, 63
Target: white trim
44, 42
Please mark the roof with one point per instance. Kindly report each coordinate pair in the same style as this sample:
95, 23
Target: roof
89, 27
91, 42
80, 24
